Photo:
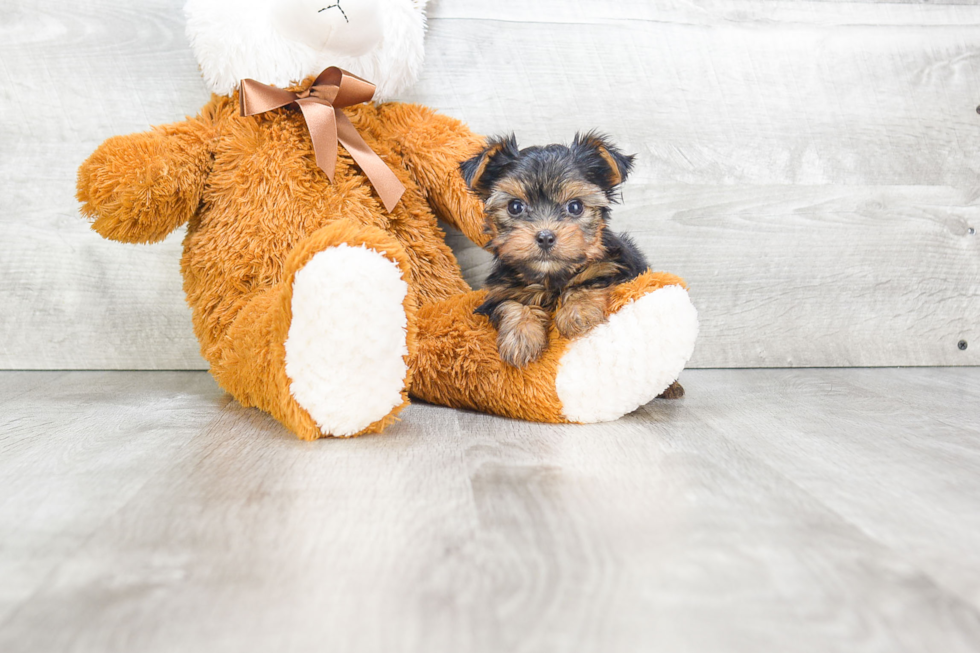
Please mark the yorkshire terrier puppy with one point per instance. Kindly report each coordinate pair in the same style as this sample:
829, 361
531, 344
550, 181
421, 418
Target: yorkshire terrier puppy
555, 261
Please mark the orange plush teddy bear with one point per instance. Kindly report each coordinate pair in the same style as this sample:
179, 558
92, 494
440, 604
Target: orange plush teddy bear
326, 302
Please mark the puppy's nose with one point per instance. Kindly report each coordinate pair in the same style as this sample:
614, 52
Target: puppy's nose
546, 238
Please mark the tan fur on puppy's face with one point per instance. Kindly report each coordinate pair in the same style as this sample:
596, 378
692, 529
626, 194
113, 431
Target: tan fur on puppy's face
546, 202
573, 246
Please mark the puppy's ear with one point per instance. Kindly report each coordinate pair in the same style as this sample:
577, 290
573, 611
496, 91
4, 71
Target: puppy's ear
604, 164
486, 168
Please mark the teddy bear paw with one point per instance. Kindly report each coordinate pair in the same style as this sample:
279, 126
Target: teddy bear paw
627, 361
347, 344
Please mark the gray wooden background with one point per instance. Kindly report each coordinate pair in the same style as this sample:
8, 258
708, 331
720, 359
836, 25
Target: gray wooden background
810, 167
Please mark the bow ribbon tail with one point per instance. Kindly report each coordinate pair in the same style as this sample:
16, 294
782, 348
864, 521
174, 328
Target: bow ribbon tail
321, 120
389, 189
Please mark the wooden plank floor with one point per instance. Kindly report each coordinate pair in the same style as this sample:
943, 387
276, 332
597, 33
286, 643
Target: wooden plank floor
770, 510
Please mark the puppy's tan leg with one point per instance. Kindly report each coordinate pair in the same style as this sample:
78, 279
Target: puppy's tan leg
522, 332
581, 310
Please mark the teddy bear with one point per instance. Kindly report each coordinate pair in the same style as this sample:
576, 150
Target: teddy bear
322, 288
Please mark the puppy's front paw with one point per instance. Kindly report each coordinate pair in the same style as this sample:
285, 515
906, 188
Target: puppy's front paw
520, 349
578, 316
522, 335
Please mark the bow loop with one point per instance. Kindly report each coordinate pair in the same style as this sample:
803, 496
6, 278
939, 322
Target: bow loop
258, 98
351, 89
321, 106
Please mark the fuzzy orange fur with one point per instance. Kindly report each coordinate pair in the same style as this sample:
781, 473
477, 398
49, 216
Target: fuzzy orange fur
258, 208
456, 361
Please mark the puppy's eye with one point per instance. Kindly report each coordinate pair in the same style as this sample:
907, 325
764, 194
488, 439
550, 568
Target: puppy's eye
515, 207
575, 207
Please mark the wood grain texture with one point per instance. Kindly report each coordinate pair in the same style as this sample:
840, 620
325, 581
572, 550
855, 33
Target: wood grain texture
769, 510
810, 167
73, 74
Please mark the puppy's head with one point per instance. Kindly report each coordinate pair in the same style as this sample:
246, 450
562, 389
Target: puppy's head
546, 206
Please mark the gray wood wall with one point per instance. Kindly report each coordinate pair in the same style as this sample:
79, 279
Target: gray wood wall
810, 167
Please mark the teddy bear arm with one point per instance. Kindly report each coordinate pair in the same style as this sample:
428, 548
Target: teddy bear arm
434, 145
138, 188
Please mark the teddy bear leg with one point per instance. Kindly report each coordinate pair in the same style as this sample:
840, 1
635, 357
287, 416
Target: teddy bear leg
610, 371
635, 356
324, 351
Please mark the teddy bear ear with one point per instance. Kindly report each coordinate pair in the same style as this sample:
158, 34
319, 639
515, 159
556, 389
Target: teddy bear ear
603, 162
486, 168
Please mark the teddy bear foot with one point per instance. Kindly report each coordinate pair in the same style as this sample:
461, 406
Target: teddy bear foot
347, 343
630, 359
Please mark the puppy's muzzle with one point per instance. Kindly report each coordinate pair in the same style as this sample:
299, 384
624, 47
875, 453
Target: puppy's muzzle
546, 239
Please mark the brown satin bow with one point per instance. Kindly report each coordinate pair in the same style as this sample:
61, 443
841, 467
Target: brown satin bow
321, 105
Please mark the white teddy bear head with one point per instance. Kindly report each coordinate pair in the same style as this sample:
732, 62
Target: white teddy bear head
283, 41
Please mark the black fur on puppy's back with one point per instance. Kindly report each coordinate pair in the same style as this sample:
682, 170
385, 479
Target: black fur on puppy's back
623, 250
